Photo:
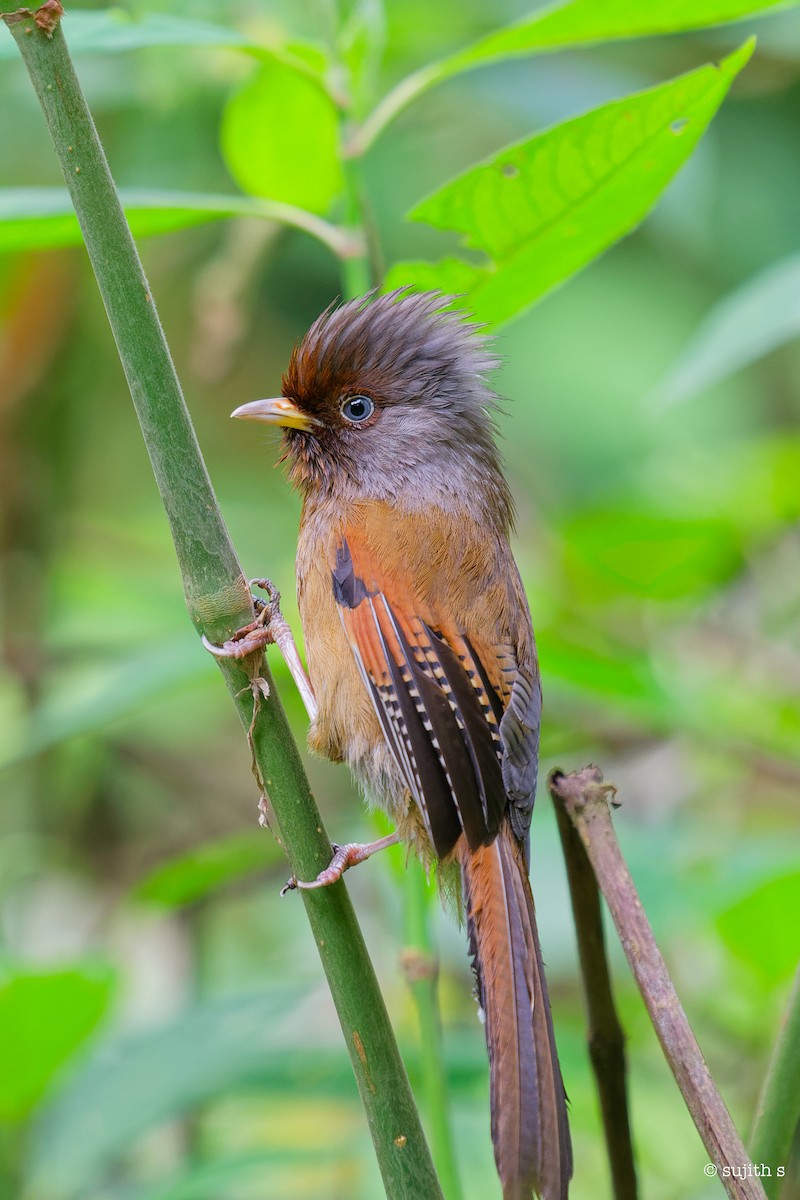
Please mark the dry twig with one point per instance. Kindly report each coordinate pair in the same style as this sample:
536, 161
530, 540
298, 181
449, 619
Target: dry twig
585, 799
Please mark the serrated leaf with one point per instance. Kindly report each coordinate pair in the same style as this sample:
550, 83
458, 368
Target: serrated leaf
749, 323
280, 138
36, 218
44, 1017
544, 208
193, 875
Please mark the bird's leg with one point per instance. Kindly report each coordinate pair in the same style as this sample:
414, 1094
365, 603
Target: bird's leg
270, 626
343, 857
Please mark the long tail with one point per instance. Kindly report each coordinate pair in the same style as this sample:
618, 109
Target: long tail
529, 1114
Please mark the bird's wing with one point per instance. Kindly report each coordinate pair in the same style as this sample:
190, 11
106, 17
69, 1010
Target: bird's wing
516, 685
446, 703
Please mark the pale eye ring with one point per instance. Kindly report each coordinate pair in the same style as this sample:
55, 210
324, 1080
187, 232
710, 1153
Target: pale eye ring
357, 409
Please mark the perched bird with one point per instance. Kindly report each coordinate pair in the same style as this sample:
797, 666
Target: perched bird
421, 654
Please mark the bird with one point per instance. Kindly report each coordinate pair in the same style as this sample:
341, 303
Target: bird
422, 668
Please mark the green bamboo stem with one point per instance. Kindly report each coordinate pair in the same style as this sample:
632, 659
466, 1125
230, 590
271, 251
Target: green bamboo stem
218, 600
778, 1110
393, 103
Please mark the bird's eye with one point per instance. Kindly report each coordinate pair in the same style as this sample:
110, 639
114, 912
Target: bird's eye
357, 409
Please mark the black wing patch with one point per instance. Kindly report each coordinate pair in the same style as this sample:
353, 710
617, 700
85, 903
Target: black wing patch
440, 721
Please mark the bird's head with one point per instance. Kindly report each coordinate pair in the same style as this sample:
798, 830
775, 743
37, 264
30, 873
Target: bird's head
386, 397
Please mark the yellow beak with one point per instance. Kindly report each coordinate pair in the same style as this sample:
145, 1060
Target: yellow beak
278, 411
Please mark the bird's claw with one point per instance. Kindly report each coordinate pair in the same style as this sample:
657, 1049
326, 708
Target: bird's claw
332, 873
344, 857
258, 633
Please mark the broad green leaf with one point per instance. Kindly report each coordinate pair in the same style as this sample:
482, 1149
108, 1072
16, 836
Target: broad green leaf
752, 321
559, 27
44, 1017
280, 138
35, 218
586, 669
454, 276
230, 1176
132, 1082
583, 22
125, 687
542, 209
192, 876
648, 554
361, 43
613, 674
761, 927
113, 30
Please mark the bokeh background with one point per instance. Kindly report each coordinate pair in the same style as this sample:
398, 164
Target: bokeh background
165, 1031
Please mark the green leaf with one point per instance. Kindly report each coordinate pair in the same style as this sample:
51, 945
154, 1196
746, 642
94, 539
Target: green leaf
126, 686
558, 27
244, 1174
647, 554
133, 1082
760, 928
44, 1017
361, 42
453, 276
35, 218
585, 22
280, 138
542, 209
747, 324
189, 878
113, 30
605, 672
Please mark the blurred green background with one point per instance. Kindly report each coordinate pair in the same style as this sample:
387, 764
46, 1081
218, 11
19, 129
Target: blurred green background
165, 1032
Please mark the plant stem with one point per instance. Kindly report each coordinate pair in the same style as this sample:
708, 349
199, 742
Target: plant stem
392, 104
585, 799
218, 600
421, 970
357, 274
606, 1039
778, 1109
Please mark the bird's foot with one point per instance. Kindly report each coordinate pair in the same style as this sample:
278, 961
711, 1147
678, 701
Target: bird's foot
270, 627
343, 858
258, 633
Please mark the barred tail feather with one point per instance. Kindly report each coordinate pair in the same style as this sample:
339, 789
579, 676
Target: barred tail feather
529, 1114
